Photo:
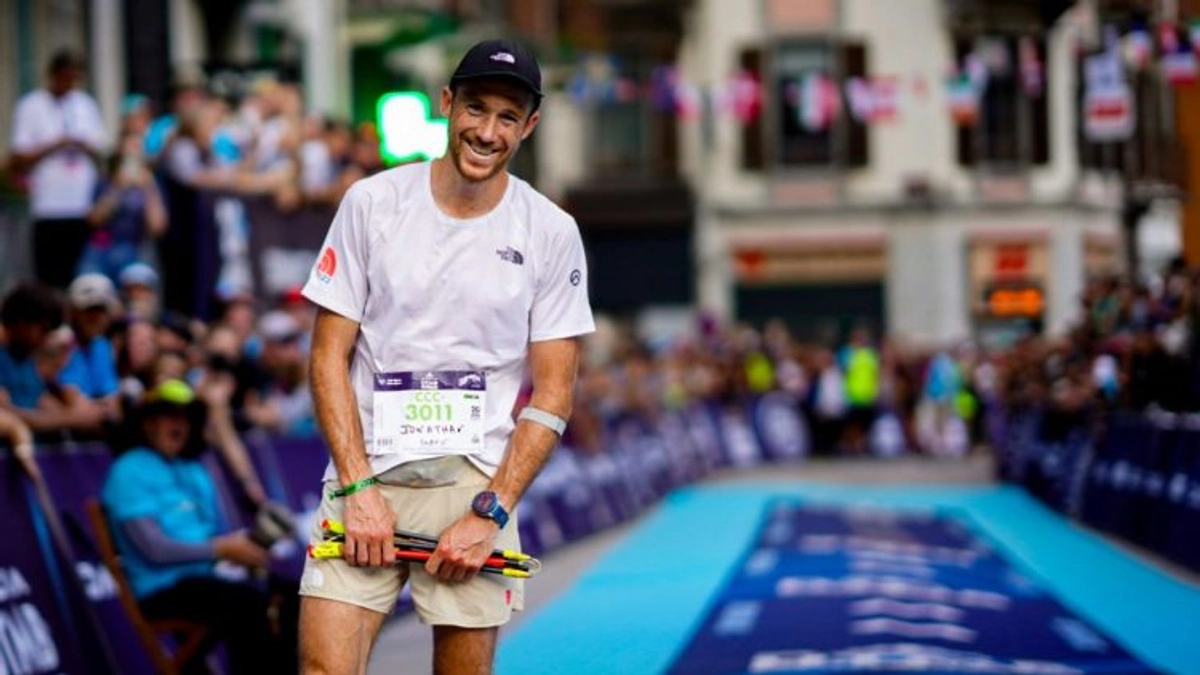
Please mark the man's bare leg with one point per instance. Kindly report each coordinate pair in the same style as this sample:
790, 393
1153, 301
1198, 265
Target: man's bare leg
463, 651
335, 637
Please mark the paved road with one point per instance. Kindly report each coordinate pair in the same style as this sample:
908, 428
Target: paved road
405, 647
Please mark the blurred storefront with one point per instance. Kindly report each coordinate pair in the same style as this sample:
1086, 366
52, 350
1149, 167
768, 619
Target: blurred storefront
949, 134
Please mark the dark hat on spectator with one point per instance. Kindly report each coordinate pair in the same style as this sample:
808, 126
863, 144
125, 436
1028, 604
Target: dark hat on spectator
502, 59
92, 290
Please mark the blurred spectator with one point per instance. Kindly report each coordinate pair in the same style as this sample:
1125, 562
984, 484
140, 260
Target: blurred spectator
169, 528
303, 312
30, 361
128, 212
136, 116
188, 93
250, 402
92, 367
287, 368
139, 291
58, 134
136, 352
188, 253
860, 362
827, 406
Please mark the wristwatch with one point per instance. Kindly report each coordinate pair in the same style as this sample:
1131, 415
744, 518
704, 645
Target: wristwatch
487, 505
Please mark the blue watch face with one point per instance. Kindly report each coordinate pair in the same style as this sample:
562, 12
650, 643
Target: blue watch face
483, 503
487, 505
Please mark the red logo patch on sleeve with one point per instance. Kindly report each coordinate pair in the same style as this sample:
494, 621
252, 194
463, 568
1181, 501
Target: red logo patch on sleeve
508, 596
327, 265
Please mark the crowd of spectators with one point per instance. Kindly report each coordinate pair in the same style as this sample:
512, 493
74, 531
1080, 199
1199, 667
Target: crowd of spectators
80, 347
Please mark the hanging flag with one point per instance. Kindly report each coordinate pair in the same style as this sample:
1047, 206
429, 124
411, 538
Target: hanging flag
885, 98
743, 96
663, 84
1180, 68
963, 98
1138, 47
819, 102
687, 100
976, 70
1031, 67
1168, 37
1108, 109
594, 79
872, 100
858, 99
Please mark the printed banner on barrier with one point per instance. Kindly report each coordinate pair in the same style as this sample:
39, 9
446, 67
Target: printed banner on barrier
35, 634
71, 479
832, 590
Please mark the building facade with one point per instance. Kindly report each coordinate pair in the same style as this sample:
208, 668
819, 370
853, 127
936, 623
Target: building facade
905, 221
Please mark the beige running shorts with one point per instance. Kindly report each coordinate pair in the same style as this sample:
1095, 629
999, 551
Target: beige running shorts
484, 601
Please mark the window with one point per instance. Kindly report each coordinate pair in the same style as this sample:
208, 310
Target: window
805, 138
793, 129
1013, 130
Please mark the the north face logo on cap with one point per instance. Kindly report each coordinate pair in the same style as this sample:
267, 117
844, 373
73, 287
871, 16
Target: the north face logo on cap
503, 56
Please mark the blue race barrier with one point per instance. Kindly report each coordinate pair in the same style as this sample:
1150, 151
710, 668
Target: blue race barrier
72, 476
38, 631
1138, 479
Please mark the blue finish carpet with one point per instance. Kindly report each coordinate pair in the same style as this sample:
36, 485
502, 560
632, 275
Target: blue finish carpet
823, 579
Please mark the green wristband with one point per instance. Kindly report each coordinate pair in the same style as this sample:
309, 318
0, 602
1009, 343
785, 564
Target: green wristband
357, 486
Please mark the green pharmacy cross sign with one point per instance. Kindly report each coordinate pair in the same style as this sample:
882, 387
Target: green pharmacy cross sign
408, 129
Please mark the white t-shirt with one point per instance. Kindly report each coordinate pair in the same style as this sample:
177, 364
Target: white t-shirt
436, 293
61, 185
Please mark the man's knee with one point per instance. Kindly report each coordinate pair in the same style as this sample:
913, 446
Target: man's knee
463, 651
336, 637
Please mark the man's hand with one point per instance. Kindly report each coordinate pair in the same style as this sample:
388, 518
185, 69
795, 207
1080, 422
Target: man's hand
463, 548
370, 528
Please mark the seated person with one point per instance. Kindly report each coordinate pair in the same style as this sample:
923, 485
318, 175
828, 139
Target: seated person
92, 367
168, 527
29, 364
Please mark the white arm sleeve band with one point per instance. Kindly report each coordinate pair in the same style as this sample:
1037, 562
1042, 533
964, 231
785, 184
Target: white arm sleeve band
553, 422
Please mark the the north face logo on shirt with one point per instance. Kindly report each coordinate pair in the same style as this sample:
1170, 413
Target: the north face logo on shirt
511, 254
327, 265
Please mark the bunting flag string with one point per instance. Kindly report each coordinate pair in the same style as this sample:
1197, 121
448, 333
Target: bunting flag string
818, 100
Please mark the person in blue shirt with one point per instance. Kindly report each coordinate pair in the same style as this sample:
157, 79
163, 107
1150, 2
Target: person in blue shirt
128, 211
92, 367
30, 313
169, 528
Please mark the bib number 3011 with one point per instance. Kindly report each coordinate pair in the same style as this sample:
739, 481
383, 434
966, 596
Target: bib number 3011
429, 413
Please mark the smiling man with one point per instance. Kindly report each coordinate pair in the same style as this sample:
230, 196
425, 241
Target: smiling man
439, 284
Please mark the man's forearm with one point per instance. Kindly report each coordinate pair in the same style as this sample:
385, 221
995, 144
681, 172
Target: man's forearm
528, 451
337, 414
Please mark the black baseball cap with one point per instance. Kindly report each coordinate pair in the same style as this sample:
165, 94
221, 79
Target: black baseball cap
500, 58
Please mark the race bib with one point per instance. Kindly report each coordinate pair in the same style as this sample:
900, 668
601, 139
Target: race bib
429, 413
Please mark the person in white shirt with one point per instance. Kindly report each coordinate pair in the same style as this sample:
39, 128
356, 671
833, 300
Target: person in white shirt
58, 135
438, 285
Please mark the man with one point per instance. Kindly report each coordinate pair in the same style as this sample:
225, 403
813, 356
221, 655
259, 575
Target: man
438, 284
58, 134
